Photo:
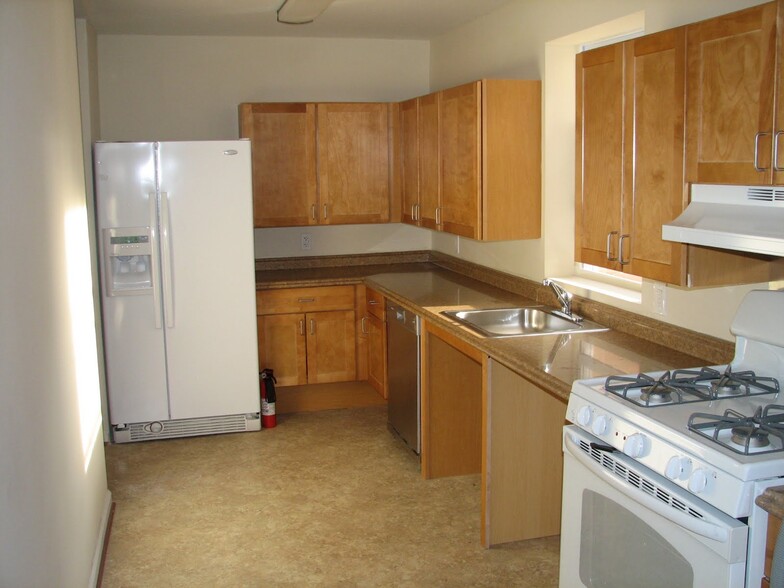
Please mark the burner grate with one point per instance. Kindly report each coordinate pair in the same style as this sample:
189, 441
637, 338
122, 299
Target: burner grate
748, 435
689, 385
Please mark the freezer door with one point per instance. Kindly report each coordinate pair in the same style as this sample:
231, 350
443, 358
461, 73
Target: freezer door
133, 343
209, 279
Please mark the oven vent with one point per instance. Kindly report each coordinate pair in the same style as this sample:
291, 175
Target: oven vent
771, 194
637, 479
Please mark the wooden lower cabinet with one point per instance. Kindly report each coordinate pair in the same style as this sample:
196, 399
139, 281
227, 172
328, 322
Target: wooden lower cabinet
523, 470
774, 526
377, 354
312, 348
308, 335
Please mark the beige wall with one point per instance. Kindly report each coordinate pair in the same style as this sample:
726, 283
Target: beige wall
54, 499
181, 88
177, 88
538, 39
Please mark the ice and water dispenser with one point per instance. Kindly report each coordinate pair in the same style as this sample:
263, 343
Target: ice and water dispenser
128, 261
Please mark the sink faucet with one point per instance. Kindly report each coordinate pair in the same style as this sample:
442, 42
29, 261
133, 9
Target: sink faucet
565, 298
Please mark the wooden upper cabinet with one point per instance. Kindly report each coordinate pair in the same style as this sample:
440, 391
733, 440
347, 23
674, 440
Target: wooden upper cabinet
353, 152
460, 160
731, 81
283, 139
318, 163
479, 152
630, 154
654, 192
599, 156
409, 160
429, 160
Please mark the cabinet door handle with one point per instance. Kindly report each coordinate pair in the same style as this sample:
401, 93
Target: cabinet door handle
413, 212
620, 250
756, 151
301, 326
325, 212
313, 211
776, 138
312, 327
362, 327
438, 216
609, 246
372, 302
417, 212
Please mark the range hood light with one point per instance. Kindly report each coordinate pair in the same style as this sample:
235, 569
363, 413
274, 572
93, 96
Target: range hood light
298, 12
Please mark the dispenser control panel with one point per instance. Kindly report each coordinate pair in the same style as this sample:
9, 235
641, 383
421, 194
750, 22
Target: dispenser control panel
128, 260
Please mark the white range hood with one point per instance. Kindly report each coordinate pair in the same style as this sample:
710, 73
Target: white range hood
741, 218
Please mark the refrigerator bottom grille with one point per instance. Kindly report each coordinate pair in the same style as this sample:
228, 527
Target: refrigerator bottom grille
233, 423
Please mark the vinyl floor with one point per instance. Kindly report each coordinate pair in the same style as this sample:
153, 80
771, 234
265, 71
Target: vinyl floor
326, 498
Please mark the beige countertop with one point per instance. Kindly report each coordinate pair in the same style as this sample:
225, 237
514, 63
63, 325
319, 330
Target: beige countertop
772, 501
550, 361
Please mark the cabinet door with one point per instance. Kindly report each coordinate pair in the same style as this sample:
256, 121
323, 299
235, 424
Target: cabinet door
460, 164
283, 140
282, 347
654, 190
599, 155
353, 149
409, 143
730, 91
377, 354
331, 346
429, 160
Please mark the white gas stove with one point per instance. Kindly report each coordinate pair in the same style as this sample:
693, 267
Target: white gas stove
715, 432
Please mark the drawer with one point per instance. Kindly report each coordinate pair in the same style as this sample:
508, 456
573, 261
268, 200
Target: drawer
288, 300
375, 303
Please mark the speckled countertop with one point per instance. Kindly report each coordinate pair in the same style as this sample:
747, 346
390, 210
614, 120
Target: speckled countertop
772, 501
553, 362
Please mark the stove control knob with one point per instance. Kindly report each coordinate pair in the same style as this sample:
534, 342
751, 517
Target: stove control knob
634, 446
678, 467
584, 416
599, 425
698, 481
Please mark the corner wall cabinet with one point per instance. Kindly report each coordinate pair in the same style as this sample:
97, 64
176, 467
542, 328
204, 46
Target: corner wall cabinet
472, 160
629, 149
307, 335
632, 145
735, 117
325, 163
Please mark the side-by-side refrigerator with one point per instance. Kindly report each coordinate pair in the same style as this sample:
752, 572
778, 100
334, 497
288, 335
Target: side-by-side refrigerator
177, 263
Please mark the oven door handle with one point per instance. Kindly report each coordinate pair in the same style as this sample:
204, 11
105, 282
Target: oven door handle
688, 522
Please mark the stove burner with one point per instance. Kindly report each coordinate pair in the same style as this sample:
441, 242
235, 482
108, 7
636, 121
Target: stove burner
656, 395
747, 435
721, 388
750, 435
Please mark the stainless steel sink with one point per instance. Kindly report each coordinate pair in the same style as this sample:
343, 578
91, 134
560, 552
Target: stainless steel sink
524, 321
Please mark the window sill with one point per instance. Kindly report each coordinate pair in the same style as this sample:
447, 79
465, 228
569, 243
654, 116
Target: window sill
590, 288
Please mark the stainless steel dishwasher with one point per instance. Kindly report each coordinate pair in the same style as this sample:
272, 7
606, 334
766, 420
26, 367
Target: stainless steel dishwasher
403, 374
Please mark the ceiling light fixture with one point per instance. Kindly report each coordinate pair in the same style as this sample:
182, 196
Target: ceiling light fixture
301, 11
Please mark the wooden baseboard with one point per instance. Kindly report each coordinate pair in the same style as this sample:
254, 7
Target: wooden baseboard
314, 397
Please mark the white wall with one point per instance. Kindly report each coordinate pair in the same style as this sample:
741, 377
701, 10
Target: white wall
53, 491
536, 39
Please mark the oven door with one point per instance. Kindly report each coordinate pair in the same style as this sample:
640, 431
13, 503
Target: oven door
624, 526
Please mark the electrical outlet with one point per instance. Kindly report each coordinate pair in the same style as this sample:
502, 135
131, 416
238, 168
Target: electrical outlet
306, 241
660, 299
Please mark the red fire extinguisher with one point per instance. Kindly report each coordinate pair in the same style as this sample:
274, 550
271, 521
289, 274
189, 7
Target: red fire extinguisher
268, 381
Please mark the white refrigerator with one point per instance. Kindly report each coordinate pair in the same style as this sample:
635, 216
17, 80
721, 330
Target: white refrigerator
178, 287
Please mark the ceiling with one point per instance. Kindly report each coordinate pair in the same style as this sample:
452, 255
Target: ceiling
368, 19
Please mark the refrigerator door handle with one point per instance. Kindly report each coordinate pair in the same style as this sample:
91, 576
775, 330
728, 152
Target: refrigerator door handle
166, 261
154, 270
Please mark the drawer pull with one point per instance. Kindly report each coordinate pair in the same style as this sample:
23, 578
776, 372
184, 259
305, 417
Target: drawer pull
304, 300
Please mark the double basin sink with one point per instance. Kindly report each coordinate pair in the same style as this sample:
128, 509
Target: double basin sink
523, 321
